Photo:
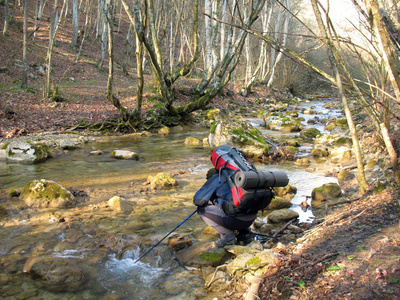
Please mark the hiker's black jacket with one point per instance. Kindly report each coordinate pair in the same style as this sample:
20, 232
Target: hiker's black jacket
217, 190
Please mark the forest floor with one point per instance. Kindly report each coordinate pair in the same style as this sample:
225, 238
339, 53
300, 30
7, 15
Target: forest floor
353, 252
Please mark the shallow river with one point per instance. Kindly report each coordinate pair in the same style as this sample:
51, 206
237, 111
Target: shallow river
154, 214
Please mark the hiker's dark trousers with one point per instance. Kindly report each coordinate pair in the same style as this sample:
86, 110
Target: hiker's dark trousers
215, 217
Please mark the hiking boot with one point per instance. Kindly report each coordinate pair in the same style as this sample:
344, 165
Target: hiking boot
222, 243
244, 238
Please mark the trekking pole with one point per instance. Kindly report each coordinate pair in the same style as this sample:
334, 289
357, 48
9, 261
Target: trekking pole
144, 254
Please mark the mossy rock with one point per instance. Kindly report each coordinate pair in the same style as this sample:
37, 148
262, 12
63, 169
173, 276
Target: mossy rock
27, 152
310, 133
343, 142
279, 203
342, 123
193, 141
162, 181
379, 188
328, 191
45, 193
239, 134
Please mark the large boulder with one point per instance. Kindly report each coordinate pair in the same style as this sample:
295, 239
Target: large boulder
46, 193
238, 134
25, 152
56, 271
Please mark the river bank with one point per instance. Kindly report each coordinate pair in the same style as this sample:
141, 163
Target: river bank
346, 226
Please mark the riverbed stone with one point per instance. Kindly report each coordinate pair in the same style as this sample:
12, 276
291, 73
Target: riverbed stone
161, 181
125, 154
179, 242
309, 134
25, 152
305, 161
193, 141
287, 192
3, 211
164, 131
278, 203
68, 144
282, 215
46, 193
239, 134
344, 176
117, 204
55, 270
328, 191
284, 123
202, 255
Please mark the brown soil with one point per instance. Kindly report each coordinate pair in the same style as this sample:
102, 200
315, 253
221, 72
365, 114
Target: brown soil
352, 253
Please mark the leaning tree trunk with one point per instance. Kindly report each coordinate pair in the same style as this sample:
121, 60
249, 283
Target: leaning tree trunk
327, 39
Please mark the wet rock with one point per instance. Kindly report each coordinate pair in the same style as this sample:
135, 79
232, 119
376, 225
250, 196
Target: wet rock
202, 255
287, 192
161, 181
3, 211
325, 192
45, 193
279, 203
344, 176
25, 152
96, 152
55, 270
164, 131
309, 134
303, 161
239, 134
117, 204
284, 123
67, 144
193, 141
177, 242
282, 215
125, 154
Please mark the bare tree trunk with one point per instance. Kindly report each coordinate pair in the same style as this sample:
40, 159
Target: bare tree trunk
6, 17
75, 24
383, 38
88, 8
139, 71
24, 84
327, 39
276, 59
55, 23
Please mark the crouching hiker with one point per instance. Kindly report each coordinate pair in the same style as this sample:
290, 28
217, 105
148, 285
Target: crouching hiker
233, 194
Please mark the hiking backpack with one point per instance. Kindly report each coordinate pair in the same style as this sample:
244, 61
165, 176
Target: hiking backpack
236, 186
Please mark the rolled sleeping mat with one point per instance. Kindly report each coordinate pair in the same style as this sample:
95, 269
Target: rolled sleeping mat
253, 180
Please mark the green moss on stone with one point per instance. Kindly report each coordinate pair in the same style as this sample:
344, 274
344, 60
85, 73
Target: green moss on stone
212, 257
4, 147
254, 261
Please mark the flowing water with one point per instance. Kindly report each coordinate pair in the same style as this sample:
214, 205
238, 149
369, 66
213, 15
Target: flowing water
91, 227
